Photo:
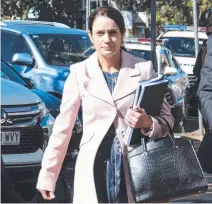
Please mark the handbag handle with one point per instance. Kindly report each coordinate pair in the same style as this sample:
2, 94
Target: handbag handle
166, 127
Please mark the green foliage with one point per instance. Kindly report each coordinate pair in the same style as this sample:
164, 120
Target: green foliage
171, 11
66, 11
181, 12
15, 7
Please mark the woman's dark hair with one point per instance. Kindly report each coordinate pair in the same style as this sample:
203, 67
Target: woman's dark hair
109, 12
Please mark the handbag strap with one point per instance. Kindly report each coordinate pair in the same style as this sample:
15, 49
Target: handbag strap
164, 123
167, 124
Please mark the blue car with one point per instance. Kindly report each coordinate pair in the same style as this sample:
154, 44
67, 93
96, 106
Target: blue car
52, 103
42, 51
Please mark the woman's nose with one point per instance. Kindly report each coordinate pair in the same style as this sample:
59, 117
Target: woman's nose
106, 37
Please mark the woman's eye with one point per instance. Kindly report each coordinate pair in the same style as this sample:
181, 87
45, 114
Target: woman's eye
113, 32
100, 33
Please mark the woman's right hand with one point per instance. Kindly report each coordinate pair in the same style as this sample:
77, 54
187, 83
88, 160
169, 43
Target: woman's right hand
47, 195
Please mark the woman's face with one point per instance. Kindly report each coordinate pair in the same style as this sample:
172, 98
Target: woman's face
106, 36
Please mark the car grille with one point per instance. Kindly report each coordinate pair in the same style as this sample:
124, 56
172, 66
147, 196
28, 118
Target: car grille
30, 141
192, 79
24, 119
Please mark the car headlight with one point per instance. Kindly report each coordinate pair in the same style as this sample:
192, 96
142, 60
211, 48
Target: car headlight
47, 126
43, 109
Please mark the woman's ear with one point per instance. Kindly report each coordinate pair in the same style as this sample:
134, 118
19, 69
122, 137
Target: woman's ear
90, 36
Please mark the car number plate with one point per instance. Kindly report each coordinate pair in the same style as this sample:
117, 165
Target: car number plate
10, 138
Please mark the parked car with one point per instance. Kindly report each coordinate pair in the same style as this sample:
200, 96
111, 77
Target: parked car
171, 69
52, 103
42, 51
26, 125
180, 40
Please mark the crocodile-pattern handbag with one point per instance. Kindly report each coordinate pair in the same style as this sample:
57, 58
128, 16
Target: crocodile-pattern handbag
165, 169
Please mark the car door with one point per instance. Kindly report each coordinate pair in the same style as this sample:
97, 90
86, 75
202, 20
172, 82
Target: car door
12, 43
172, 63
179, 80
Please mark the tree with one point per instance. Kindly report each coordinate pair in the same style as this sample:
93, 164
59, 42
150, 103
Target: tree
64, 11
17, 8
172, 11
181, 12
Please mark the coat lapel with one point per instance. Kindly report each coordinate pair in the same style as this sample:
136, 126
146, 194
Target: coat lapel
127, 82
129, 76
96, 84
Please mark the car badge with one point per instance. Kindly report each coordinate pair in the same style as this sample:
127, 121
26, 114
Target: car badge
5, 119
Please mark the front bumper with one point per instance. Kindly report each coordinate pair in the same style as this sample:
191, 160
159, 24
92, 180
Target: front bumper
25, 174
19, 160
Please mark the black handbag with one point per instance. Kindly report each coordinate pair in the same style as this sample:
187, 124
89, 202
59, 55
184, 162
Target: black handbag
165, 169
205, 151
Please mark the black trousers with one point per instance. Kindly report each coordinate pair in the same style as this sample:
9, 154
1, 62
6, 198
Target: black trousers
102, 157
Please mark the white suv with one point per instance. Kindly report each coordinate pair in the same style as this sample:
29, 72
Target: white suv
182, 45
25, 126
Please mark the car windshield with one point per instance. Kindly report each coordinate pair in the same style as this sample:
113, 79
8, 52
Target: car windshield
145, 54
89, 51
9, 73
61, 49
184, 47
3, 75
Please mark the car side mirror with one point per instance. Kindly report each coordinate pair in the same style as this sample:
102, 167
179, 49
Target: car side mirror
170, 71
23, 59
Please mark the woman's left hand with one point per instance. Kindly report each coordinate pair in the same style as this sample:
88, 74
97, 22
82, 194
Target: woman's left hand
138, 118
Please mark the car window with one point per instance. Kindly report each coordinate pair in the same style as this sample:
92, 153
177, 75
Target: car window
177, 65
3, 75
61, 49
89, 51
12, 43
11, 74
184, 47
145, 54
169, 57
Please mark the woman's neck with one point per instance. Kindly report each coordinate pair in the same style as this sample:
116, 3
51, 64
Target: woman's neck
110, 65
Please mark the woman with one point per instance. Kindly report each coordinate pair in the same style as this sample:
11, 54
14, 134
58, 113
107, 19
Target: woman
104, 85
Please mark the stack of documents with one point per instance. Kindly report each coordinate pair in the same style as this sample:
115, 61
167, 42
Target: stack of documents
149, 96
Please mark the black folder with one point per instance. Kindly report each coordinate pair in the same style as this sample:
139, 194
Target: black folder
151, 96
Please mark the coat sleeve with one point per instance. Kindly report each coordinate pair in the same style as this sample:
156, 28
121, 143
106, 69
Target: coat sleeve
157, 130
62, 131
205, 87
198, 65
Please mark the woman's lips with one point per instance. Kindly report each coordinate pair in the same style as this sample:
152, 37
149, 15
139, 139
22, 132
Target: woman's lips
108, 48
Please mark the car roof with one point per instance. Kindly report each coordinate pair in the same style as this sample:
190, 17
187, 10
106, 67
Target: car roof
184, 34
43, 29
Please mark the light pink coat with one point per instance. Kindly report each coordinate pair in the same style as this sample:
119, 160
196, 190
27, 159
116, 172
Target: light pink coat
86, 86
